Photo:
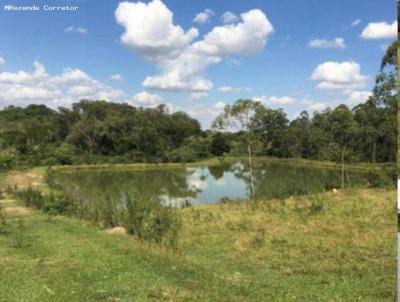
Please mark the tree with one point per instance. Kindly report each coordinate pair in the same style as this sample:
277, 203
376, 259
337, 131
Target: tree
219, 145
342, 128
240, 117
271, 127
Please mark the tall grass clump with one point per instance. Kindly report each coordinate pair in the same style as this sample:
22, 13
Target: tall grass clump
52, 203
3, 221
151, 221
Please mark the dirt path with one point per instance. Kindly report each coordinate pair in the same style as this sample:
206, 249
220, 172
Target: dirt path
12, 208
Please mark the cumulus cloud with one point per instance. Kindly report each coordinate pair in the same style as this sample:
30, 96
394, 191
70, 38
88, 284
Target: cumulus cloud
357, 97
181, 62
203, 16
227, 89
342, 76
198, 95
206, 114
356, 22
73, 29
380, 30
2, 61
274, 100
229, 17
145, 99
322, 43
38, 86
312, 106
117, 77
150, 31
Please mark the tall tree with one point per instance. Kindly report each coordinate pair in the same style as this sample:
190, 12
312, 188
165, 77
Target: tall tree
240, 117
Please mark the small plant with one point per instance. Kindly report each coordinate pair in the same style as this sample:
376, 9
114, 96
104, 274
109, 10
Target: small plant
20, 234
3, 221
244, 224
317, 205
31, 197
259, 239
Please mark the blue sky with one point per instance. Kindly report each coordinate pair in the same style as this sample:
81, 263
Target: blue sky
295, 55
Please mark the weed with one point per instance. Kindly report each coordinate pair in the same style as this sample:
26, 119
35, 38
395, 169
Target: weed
259, 239
3, 221
19, 241
317, 205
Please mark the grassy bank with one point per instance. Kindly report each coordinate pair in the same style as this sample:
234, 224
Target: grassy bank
218, 161
325, 247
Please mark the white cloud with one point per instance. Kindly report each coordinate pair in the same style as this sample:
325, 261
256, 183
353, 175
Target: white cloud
73, 29
219, 105
380, 30
248, 36
145, 99
357, 97
198, 95
356, 22
206, 114
342, 76
229, 17
117, 77
322, 43
227, 89
274, 100
23, 87
149, 29
203, 16
2, 61
313, 106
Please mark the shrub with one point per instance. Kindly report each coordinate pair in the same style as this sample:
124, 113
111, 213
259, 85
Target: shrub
151, 221
219, 145
31, 197
380, 178
54, 203
317, 205
6, 162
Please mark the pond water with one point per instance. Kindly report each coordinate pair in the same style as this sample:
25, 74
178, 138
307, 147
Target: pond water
207, 185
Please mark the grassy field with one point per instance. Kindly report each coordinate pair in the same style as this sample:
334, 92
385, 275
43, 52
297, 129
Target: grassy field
326, 247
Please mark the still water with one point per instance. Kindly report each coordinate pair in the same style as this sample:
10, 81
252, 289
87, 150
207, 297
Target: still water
208, 185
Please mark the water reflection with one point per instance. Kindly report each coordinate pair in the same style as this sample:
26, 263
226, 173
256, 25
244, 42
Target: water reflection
203, 184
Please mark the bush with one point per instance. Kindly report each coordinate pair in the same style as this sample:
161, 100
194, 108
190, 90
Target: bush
219, 145
31, 197
6, 162
151, 221
54, 203
380, 178
317, 204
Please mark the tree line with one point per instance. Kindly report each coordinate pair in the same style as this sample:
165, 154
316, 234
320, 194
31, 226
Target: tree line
103, 132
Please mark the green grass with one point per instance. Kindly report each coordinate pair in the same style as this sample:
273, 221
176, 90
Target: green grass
325, 247
213, 162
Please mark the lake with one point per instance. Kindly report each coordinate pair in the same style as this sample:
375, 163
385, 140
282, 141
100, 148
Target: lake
205, 185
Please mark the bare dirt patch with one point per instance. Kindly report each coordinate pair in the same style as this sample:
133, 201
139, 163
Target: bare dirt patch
16, 211
116, 231
24, 179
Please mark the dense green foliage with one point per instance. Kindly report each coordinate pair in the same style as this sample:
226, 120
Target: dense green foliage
98, 131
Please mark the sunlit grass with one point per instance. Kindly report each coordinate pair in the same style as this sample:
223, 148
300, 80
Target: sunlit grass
325, 247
